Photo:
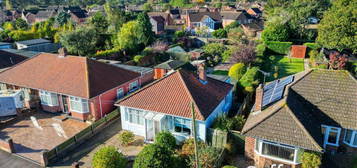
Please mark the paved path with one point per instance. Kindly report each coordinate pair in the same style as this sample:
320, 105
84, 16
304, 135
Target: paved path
8, 160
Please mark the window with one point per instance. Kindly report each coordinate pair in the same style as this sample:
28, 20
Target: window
331, 135
135, 116
48, 98
133, 86
182, 125
350, 138
3, 86
26, 93
120, 93
277, 151
78, 105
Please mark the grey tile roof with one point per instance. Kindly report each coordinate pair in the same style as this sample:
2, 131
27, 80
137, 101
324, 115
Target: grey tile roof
33, 42
314, 98
197, 17
25, 53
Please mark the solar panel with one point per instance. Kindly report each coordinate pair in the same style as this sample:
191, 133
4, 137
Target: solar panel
274, 91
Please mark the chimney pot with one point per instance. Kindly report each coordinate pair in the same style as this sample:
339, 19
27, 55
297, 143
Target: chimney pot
259, 98
62, 52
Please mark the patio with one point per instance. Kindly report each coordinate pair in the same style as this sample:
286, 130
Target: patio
30, 139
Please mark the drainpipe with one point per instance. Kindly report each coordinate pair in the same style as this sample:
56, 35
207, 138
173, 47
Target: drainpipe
100, 106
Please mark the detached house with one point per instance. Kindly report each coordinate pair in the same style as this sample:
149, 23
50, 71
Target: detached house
80, 87
229, 17
211, 20
165, 105
310, 111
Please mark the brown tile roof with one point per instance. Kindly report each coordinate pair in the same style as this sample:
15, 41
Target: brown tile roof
71, 75
197, 17
298, 51
174, 94
316, 97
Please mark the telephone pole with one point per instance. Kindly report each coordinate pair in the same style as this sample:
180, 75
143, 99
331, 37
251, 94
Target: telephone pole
194, 134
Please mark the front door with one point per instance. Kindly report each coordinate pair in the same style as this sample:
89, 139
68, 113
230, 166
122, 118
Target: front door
150, 133
65, 104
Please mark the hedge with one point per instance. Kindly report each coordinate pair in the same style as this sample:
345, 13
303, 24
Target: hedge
313, 46
278, 47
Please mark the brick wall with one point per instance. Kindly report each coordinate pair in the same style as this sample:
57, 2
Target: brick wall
249, 148
7, 145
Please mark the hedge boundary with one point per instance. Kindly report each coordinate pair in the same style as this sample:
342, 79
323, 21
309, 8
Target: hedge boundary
278, 47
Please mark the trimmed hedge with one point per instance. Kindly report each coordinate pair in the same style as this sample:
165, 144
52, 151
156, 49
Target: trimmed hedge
312, 46
278, 47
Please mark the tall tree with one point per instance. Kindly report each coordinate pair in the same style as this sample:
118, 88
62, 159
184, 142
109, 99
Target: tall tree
338, 27
146, 35
80, 42
99, 22
128, 38
62, 18
244, 54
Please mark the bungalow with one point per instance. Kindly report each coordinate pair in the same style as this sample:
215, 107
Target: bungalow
211, 20
165, 105
313, 110
80, 87
229, 17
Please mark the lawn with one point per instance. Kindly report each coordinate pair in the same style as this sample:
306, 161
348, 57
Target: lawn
284, 65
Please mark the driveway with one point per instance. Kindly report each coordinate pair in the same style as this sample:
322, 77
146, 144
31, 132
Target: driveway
8, 160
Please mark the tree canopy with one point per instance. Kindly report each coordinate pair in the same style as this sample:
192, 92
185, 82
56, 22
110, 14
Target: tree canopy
81, 41
108, 157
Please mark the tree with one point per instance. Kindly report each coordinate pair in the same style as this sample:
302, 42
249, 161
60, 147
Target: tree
275, 32
236, 36
9, 26
108, 157
155, 156
244, 54
166, 139
146, 34
99, 22
237, 71
62, 18
310, 159
21, 24
129, 36
147, 7
220, 33
213, 53
337, 60
249, 79
337, 29
208, 157
80, 42
179, 3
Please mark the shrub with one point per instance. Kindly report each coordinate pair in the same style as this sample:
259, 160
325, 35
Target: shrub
310, 159
180, 33
126, 137
225, 123
279, 47
354, 162
208, 157
220, 33
260, 49
312, 46
237, 71
166, 139
20, 35
275, 32
228, 166
108, 157
249, 79
155, 156
137, 58
188, 147
106, 53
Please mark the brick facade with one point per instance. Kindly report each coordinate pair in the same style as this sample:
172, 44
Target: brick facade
7, 145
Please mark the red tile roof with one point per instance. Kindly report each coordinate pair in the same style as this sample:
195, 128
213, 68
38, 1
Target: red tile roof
70, 75
298, 51
174, 94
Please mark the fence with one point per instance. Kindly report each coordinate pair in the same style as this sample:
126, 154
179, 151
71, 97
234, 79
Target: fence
239, 141
246, 104
217, 138
61, 150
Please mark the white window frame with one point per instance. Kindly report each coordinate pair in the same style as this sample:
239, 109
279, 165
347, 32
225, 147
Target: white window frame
260, 143
329, 129
120, 93
136, 85
353, 138
52, 98
84, 108
140, 114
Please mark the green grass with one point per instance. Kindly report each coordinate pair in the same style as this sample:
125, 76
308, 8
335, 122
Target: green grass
286, 66
220, 72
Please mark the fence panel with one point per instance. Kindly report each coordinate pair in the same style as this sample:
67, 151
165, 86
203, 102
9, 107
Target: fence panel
217, 138
112, 115
239, 141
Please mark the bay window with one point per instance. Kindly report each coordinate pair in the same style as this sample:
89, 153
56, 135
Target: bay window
350, 138
134, 116
280, 152
48, 98
78, 104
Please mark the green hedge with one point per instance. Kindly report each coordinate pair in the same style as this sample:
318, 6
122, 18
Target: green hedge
312, 46
278, 47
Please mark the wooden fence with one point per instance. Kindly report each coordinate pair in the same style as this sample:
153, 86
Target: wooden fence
70, 144
217, 138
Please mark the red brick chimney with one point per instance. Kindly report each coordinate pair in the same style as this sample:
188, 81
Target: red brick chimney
259, 98
62, 52
202, 72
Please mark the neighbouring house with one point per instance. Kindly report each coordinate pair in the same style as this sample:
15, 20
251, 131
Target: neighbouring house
229, 17
169, 66
176, 16
196, 54
38, 45
44, 15
210, 20
158, 24
29, 16
147, 74
4, 45
313, 110
78, 16
166, 105
167, 18
255, 12
253, 29
8, 59
298, 51
82, 88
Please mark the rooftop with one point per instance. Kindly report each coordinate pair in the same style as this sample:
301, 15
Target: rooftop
33, 42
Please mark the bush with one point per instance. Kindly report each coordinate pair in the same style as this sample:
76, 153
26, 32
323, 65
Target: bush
312, 46
155, 156
137, 58
310, 159
208, 157
166, 139
249, 79
278, 47
237, 71
126, 137
188, 146
220, 33
225, 123
108, 157
275, 32
260, 49
106, 53
20, 35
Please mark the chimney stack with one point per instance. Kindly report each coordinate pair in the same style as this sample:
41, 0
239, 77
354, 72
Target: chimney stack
62, 52
202, 72
259, 98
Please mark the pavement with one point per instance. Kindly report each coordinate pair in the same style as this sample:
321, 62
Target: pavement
8, 160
